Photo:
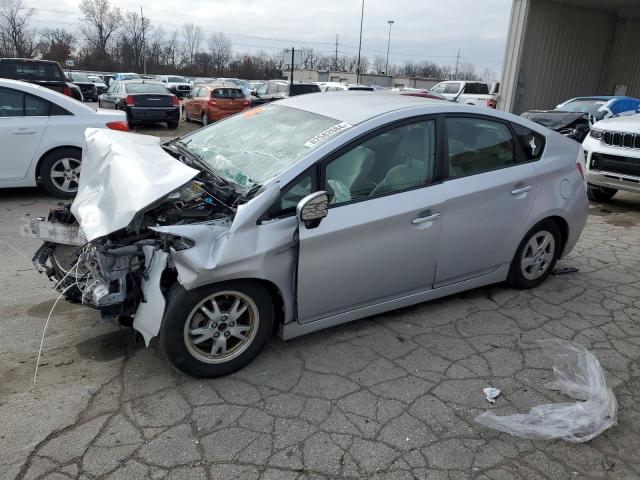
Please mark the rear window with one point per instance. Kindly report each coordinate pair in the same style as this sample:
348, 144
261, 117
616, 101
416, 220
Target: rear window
78, 77
145, 88
301, 89
227, 93
177, 79
31, 71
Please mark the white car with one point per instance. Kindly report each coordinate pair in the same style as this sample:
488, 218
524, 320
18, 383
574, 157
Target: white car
42, 134
612, 153
469, 93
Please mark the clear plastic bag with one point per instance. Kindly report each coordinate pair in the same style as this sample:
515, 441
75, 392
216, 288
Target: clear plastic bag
577, 374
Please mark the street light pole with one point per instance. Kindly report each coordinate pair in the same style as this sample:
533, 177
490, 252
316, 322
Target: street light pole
360, 44
386, 70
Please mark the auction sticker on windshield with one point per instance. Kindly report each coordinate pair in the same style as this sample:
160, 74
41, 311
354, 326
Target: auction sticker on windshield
329, 132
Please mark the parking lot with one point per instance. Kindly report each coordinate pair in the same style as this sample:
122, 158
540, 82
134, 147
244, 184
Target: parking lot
392, 396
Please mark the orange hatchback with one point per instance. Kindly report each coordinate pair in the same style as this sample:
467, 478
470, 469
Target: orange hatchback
208, 103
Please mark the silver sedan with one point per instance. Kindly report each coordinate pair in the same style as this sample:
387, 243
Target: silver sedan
308, 213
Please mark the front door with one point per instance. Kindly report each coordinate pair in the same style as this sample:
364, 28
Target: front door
23, 121
489, 196
380, 238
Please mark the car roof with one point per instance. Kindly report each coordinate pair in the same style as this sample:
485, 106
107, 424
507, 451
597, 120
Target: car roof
27, 60
220, 85
64, 101
141, 80
354, 106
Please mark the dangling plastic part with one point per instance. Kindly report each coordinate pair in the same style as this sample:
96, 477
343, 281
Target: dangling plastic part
579, 375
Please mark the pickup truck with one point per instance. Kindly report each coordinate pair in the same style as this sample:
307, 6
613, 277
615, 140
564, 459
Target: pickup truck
469, 93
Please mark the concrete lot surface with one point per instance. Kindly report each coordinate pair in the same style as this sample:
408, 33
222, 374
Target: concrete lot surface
388, 397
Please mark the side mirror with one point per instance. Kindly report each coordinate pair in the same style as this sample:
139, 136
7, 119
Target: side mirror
313, 208
600, 114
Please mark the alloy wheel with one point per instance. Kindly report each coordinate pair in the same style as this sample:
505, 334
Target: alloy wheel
537, 255
65, 174
221, 327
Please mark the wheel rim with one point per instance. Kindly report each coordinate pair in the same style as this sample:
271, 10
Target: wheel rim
537, 255
65, 174
221, 327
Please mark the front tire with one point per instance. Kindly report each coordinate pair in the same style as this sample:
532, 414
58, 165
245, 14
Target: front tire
536, 256
60, 172
172, 124
216, 329
600, 194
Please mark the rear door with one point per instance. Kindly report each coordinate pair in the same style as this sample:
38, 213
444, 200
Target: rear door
380, 238
489, 191
23, 121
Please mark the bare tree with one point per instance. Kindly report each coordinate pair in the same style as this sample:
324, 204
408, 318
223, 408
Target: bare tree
489, 75
379, 64
192, 34
135, 30
100, 22
220, 50
56, 44
16, 38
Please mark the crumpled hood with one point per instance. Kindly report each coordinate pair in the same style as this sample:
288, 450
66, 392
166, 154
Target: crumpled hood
122, 174
554, 119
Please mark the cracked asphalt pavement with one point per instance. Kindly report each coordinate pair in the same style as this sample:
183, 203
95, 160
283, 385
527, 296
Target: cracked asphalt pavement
388, 397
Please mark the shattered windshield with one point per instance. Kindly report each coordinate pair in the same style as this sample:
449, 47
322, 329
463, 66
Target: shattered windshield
250, 148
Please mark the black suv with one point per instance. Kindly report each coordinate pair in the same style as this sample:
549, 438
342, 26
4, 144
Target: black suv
279, 89
41, 72
86, 86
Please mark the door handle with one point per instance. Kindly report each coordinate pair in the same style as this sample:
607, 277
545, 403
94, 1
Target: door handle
429, 218
24, 131
521, 190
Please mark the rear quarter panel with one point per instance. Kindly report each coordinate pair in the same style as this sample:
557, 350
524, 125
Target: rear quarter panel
562, 189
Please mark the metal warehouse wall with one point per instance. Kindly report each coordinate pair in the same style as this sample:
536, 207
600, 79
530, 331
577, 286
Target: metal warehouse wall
564, 52
624, 62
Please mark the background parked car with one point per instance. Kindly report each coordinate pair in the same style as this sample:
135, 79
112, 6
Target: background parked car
176, 84
243, 84
42, 133
211, 102
278, 89
469, 93
123, 76
144, 101
101, 87
421, 93
340, 87
85, 84
41, 72
612, 152
574, 118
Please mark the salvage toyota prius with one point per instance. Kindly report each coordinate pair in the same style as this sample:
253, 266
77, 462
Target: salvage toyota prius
309, 213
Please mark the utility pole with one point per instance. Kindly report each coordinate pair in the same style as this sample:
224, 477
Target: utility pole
360, 44
144, 44
457, 62
335, 62
386, 70
293, 50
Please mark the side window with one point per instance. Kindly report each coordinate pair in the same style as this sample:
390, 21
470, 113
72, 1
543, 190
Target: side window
439, 88
263, 89
477, 145
57, 110
470, 88
283, 88
292, 194
532, 143
452, 87
273, 88
11, 103
395, 160
36, 106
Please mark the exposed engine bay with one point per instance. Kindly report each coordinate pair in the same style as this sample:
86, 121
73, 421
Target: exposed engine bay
575, 125
118, 272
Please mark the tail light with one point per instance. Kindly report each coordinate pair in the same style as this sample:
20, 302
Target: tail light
129, 100
174, 101
212, 103
66, 91
119, 125
491, 103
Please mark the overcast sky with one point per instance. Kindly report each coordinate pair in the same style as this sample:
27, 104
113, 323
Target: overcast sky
423, 30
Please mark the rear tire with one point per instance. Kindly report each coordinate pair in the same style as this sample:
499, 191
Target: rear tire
600, 194
206, 339
172, 124
536, 256
60, 172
